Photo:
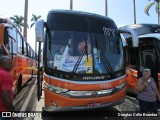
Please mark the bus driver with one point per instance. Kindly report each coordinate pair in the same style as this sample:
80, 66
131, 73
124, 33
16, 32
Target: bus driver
81, 46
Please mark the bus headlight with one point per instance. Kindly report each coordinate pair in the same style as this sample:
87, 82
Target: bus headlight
121, 86
84, 94
55, 89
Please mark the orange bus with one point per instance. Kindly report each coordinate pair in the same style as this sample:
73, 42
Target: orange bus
91, 78
146, 55
12, 43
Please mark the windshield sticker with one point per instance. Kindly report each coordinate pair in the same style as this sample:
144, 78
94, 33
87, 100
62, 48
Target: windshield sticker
66, 62
70, 61
57, 61
88, 64
109, 31
89, 69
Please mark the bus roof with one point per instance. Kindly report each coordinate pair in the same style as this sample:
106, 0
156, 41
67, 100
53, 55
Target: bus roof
144, 28
153, 35
79, 13
5, 20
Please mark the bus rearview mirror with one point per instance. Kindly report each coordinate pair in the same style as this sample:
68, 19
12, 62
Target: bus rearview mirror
39, 29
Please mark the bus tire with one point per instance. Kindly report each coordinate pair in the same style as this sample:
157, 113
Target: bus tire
31, 74
19, 85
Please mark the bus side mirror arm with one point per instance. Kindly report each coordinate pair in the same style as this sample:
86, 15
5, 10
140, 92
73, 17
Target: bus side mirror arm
39, 30
124, 42
133, 33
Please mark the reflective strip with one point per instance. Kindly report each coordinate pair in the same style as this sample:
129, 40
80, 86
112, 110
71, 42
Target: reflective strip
88, 82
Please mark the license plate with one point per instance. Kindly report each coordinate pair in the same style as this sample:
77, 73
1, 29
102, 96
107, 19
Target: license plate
93, 104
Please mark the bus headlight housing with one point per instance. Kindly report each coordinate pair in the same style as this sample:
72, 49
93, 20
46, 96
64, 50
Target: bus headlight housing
84, 94
55, 89
121, 86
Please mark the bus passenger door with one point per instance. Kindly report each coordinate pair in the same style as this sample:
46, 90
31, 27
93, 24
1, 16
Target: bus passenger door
131, 68
149, 57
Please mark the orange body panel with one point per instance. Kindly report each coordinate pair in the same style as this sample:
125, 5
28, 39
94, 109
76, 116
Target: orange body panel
1, 34
131, 77
63, 101
66, 101
22, 66
73, 86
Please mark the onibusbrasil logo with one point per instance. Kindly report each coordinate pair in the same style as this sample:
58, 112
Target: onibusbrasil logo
21, 114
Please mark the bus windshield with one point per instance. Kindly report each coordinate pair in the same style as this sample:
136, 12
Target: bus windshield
84, 49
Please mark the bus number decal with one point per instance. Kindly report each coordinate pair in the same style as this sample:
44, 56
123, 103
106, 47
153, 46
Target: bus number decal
109, 31
105, 85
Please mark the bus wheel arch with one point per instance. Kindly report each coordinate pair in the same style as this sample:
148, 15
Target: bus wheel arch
32, 74
19, 84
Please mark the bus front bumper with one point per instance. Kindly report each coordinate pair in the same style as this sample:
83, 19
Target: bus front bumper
77, 108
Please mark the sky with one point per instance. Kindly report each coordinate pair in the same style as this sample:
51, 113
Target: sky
121, 11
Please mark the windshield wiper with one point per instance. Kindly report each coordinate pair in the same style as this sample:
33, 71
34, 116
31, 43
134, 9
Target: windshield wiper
85, 49
78, 62
106, 62
104, 59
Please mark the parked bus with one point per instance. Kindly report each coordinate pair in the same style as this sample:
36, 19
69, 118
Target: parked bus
146, 55
12, 43
90, 72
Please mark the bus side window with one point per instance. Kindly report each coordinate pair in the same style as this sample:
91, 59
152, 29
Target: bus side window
130, 58
5, 36
14, 46
29, 51
27, 48
24, 47
12, 40
1, 51
8, 45
11, 46
19, 38
33, 55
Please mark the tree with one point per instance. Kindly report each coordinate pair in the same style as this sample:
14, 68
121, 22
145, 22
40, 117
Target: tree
25, 19
18, 21
34, 19
134, 9
147, 8
71, 4
106, 7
